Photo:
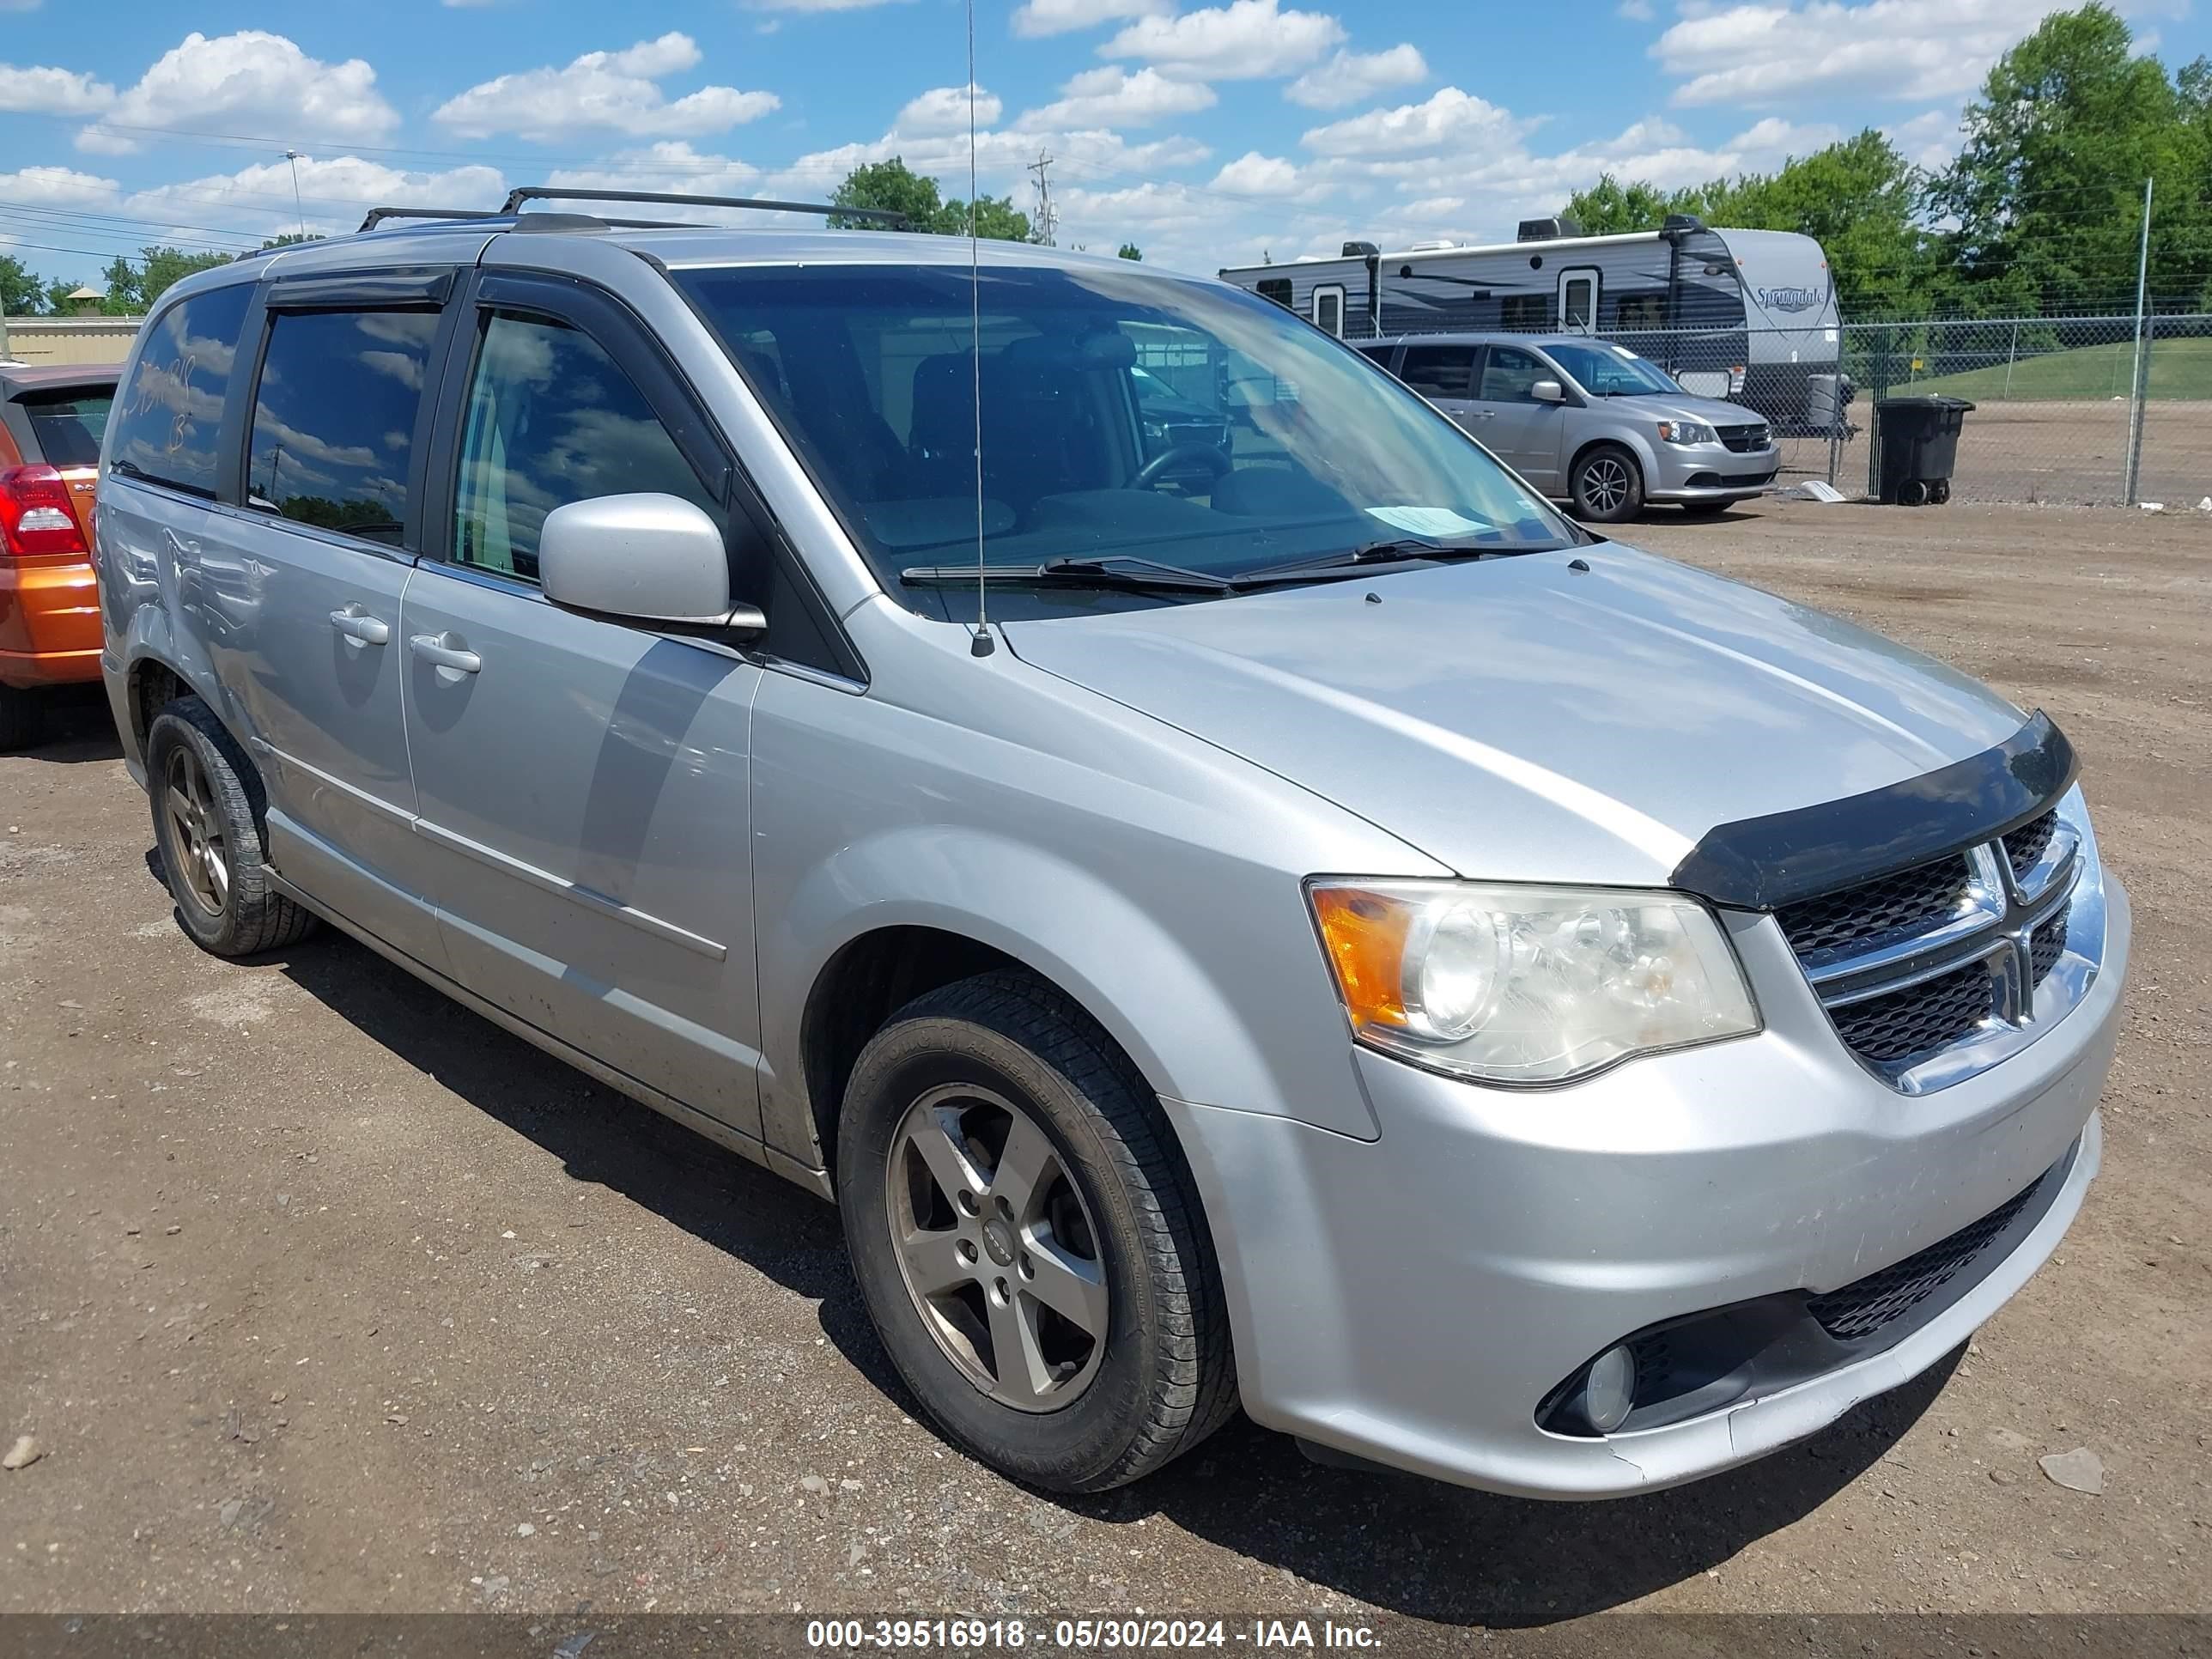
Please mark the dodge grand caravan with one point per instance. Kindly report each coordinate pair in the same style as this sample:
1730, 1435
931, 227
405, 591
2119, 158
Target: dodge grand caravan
1286, 919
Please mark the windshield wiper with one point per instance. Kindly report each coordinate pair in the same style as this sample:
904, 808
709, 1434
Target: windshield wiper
1108, 570
1405, 550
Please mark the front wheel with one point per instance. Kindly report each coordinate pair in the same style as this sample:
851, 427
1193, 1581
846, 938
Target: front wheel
1608, 485
1026, 1240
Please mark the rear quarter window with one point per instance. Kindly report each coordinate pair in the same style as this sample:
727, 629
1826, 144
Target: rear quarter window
167, 418
67, 429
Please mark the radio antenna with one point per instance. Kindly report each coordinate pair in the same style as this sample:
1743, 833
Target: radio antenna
980, 644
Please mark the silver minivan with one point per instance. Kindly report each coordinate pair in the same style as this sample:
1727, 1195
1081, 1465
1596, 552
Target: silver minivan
1283, 918
1589, 423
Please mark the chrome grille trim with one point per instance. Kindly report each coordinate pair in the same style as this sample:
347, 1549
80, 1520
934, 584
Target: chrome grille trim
1996, 928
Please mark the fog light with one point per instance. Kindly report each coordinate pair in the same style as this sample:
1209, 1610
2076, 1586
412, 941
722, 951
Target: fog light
1609, 1391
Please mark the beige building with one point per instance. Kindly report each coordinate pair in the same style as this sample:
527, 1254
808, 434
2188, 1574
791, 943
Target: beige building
67, 339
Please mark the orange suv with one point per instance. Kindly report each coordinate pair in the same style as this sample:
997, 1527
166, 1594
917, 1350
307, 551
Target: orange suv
50, 423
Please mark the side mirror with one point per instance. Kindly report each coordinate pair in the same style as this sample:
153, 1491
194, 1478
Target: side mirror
651, 559
1548, 391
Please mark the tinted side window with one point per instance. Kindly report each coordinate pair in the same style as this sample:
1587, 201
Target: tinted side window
334, 418
167, 421
552, 419
1378, 353
1439, 371
1509, 372
1277, 288
1530, 311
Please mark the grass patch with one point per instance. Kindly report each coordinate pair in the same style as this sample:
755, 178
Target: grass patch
2178, 368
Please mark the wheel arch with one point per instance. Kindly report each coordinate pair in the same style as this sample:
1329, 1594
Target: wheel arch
1645, 462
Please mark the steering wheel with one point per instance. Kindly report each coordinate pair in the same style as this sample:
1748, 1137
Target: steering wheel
1209, 456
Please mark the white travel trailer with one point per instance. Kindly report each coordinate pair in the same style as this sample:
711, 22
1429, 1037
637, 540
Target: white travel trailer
1745, 315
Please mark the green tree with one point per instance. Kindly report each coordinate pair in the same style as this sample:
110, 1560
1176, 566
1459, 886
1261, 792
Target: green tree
290, 239
19, 289
1858, 198
2047, 190
1131, 251
131, 289
894, 187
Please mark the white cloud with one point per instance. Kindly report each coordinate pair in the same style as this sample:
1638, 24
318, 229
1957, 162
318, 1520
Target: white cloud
944, 109
1255, 174
1350, 77
608, 91
53, 91
1243, 40
334, 191
1109, 96
1448, 116
252, 82
1928, 140
64, 186
1771, 54
1041, 17
672, 165
1636, 11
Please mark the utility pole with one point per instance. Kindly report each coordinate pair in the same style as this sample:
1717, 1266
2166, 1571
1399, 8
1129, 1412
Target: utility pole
1046, 226
292, 156
2136, 387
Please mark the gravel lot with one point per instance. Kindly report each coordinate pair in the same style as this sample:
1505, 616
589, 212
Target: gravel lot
316, 1293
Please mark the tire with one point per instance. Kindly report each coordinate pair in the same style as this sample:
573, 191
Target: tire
208, 804
1912, 493
1608, 484
22, 717
1939, 492
1087, 1417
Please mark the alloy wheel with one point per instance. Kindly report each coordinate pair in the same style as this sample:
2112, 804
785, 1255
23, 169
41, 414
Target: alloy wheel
1605, 484
196, 831
997, 1248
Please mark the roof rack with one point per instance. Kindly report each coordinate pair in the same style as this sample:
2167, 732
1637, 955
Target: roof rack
516, 198
377, 215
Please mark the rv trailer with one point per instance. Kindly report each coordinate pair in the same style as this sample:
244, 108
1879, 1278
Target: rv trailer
1748, 315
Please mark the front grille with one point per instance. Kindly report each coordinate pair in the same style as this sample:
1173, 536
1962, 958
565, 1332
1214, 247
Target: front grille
2047, 946
1910, 901
1743, 440
1921, 1018
2025, 847
1864, 1306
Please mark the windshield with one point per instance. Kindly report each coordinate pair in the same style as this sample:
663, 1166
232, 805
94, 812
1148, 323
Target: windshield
1612, 371
1281, 444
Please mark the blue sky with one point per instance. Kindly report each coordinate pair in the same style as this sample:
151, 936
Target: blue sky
1206, 133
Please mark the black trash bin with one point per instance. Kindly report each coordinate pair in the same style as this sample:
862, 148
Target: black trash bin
1916, 446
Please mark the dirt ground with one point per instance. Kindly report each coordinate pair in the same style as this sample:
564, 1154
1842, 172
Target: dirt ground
316, 1293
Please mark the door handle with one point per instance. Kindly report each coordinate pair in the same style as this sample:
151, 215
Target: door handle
433, 648
359, 625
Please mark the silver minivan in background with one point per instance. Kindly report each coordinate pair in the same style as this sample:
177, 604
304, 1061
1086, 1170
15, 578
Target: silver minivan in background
1589, 423
1277, 916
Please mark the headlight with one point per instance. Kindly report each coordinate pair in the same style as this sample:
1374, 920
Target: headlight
1528, 984
1687, 432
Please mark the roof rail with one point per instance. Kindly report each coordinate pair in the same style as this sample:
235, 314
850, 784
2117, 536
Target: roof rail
377, 215
516, 198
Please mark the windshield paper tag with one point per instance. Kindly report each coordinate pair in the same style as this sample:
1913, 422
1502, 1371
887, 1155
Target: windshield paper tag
1427, 520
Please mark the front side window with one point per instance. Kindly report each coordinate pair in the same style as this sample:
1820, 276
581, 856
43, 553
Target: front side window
1122, 413
552, 419
1508, 373
334, 418
168, 416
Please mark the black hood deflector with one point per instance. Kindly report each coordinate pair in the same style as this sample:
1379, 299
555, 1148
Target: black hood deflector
1757, 864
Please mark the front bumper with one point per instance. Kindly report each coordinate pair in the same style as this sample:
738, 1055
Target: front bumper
1413, 1300
1711, 472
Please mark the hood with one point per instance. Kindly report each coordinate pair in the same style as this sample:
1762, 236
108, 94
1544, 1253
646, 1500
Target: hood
1681, 406
1521, 721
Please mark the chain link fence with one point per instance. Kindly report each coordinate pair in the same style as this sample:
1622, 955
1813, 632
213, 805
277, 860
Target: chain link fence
2064, 407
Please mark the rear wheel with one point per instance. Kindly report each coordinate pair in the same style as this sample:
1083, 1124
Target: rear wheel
1608, 484
207, 823
21, 718
1025, 1239
1912, 493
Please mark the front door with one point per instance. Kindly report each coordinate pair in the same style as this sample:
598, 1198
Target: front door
1523, 433
1444, 374
583, 785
